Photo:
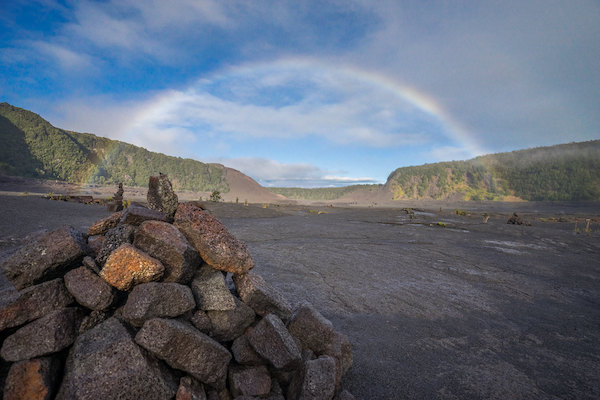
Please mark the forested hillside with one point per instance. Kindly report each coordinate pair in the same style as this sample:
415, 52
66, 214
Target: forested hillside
562, 172
32, 147
317, 194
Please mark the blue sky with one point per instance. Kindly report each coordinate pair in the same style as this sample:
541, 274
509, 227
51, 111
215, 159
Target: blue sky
309, 93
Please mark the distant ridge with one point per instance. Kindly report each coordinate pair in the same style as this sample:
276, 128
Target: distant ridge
32, 147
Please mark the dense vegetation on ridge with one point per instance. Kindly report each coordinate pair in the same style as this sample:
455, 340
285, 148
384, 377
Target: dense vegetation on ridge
32, 147
323, 194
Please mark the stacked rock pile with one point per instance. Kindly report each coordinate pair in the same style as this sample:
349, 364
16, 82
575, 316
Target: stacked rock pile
146, 308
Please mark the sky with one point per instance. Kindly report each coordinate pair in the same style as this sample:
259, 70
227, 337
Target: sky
309, 93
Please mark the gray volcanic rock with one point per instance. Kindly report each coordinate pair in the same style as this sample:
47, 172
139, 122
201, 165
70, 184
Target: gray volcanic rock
113, 239
244, 353
272, 341
217, 247
229, 324
151, 300
164, 242
35, 302
210, 290
46, 335
185, 348
311, 328
48, 257
161, 196
190, 389
105, 363
32, 379
102, 226
201, 321
341, 351
249, 381
135, 214
89, 289
317, 380
262, 297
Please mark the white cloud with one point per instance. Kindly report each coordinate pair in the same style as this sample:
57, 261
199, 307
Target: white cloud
66, 58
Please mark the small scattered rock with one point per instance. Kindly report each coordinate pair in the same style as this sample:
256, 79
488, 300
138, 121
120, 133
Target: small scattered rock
48, 257
89, 289
128, 266
217, 247
164, 242
32, 379
272, 341
161, 196
262, 297
210, 290
47, 335
151, 300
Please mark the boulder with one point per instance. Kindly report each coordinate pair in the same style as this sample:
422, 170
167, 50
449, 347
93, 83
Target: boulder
128, 266
113, 239
201, 321
249, 380
89, 289
102, 226
35, 302
32, 379
46, 258
273, 342
190, 389
164, 242
316, 380
161, 196
135, 214
184, 347
341, 351
210, 290
262, 297
229, 324
217, 247
244, 353
311, 328
151, 300
105, 363
91, 264
50, 334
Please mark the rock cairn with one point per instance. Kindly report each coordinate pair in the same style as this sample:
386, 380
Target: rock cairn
140, 308
117, 202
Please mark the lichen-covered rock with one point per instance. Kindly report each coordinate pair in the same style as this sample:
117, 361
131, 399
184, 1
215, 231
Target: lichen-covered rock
102, 226
272, 341
210, 290
262, 297
34, 379
217, 247
113, 239
105, 363
135, 214
311, 328
45, 258
249, 380
228, 325
161, 196
316, 380
152, 300
185, 348
35, 302
47, 335
164, 242
128, 266
190, 389
89, 289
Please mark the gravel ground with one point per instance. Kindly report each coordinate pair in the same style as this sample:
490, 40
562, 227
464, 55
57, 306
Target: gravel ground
436, 305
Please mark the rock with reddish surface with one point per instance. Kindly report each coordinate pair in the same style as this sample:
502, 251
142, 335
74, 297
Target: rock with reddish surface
45, 258
35, 302
32, 379
102, 226
217, 247
185, 348
164, 242
128, 266
154, 299
89, 289
262, 297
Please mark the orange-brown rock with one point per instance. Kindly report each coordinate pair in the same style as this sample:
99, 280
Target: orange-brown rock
32, 379
128, 266
217, 247
102, 226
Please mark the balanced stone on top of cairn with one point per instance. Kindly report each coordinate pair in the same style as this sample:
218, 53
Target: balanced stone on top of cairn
161, 196
117, 202
156, 310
